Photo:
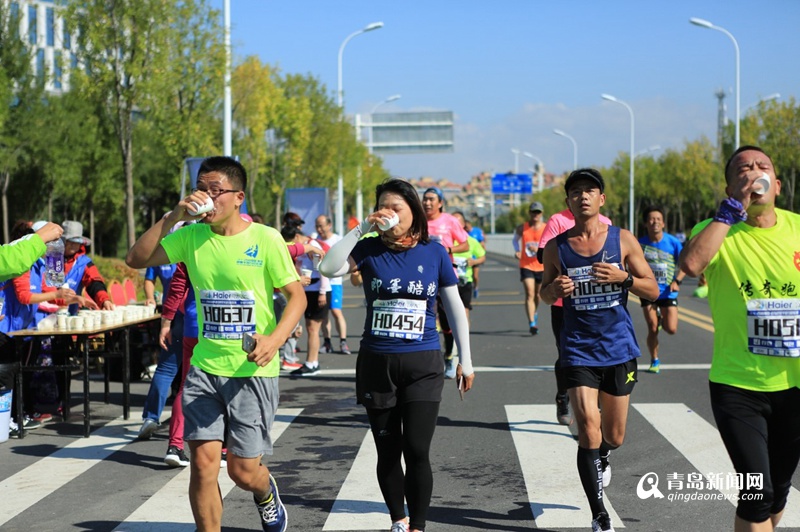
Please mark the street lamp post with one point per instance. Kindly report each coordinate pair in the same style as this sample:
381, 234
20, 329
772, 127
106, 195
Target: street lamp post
574, 147
706, 24
645, 151
513, 195
227, 143
539, 172
340, 181
773, 96
390, 99
360, 192
633, 157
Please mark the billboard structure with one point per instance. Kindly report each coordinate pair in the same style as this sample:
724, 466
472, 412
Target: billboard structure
412, 132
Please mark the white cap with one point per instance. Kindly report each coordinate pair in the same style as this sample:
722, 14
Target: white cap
38, 225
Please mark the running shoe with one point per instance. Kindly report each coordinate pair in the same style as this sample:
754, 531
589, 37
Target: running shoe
29, 423
449, 368
41, 417
149, 426
344, 348
287, 365
534, 325
327, 346
602, 523
655, 366
400, 526
606, 469
176, 457
272, 511
305, 371
223, 461
562, 410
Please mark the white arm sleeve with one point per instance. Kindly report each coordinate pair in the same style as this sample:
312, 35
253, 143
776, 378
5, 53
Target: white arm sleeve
457, 317
335, 263
515, 241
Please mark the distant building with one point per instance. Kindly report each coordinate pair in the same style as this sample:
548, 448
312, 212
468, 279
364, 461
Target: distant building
52, 47
475, 198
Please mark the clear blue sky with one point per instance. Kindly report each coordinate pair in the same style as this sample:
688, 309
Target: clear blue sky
513, 70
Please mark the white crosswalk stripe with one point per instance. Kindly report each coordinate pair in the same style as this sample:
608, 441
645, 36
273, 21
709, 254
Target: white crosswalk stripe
700, 443
359, 504
546, 453
173, 499
35, 482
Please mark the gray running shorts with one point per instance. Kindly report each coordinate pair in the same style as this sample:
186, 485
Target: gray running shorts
248, 404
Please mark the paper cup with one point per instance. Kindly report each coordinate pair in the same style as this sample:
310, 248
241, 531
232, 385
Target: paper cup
305, 272
61, 321
762, 184
388, 223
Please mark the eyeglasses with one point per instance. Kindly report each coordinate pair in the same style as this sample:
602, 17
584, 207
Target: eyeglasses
214, 191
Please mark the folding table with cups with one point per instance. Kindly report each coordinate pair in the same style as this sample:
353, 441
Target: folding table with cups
79, 331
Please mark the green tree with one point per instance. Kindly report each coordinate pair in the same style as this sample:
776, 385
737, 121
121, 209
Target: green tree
20, 95
124, 46
181, 117
776, 128
257, 101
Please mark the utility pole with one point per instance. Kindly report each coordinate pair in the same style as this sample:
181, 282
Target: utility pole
722, 121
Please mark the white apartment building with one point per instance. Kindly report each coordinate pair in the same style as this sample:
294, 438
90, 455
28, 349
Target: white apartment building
42, 27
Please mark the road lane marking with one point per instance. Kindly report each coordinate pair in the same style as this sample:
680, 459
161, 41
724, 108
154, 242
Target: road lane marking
40, 479
508, 369
697, 319
700, 443
168, 509
359, 504
546, 452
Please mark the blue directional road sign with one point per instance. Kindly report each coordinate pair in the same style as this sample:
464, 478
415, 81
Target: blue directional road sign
512, 184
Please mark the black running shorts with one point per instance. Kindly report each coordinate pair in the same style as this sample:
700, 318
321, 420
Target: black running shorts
616, 380
384, 380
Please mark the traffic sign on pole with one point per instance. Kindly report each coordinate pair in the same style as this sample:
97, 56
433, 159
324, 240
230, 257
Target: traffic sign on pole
512, 184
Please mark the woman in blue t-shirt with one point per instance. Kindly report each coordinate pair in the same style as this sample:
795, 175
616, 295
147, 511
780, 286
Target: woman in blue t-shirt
400, 371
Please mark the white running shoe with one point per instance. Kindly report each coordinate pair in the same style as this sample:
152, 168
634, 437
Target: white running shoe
602, 523
149, 426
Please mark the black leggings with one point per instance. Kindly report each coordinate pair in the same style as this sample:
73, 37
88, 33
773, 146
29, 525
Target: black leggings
761, 431
405, 430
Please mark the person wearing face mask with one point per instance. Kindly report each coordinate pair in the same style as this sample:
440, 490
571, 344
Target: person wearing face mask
750, 256
399, 370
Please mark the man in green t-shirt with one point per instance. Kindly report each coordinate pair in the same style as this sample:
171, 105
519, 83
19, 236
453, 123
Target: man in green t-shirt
234, 267
750, 254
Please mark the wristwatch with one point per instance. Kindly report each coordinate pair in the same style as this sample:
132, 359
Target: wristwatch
627, 283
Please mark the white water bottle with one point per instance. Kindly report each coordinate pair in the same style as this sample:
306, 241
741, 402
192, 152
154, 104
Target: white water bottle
54, 263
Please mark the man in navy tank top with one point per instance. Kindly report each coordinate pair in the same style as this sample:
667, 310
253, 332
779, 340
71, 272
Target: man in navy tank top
592, 267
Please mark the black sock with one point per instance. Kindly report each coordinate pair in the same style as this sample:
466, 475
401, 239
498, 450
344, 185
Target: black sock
592, 478
605, 451
327, 340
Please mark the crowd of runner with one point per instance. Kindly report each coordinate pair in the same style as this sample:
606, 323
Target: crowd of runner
245, 286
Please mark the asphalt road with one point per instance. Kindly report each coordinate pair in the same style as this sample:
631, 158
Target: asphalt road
501, 462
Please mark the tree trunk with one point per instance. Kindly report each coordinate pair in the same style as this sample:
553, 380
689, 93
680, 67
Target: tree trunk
251, 203
91, 227
6, 179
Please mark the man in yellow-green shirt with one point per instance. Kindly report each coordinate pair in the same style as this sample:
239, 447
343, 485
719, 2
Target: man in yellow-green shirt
750, 254
234, 267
